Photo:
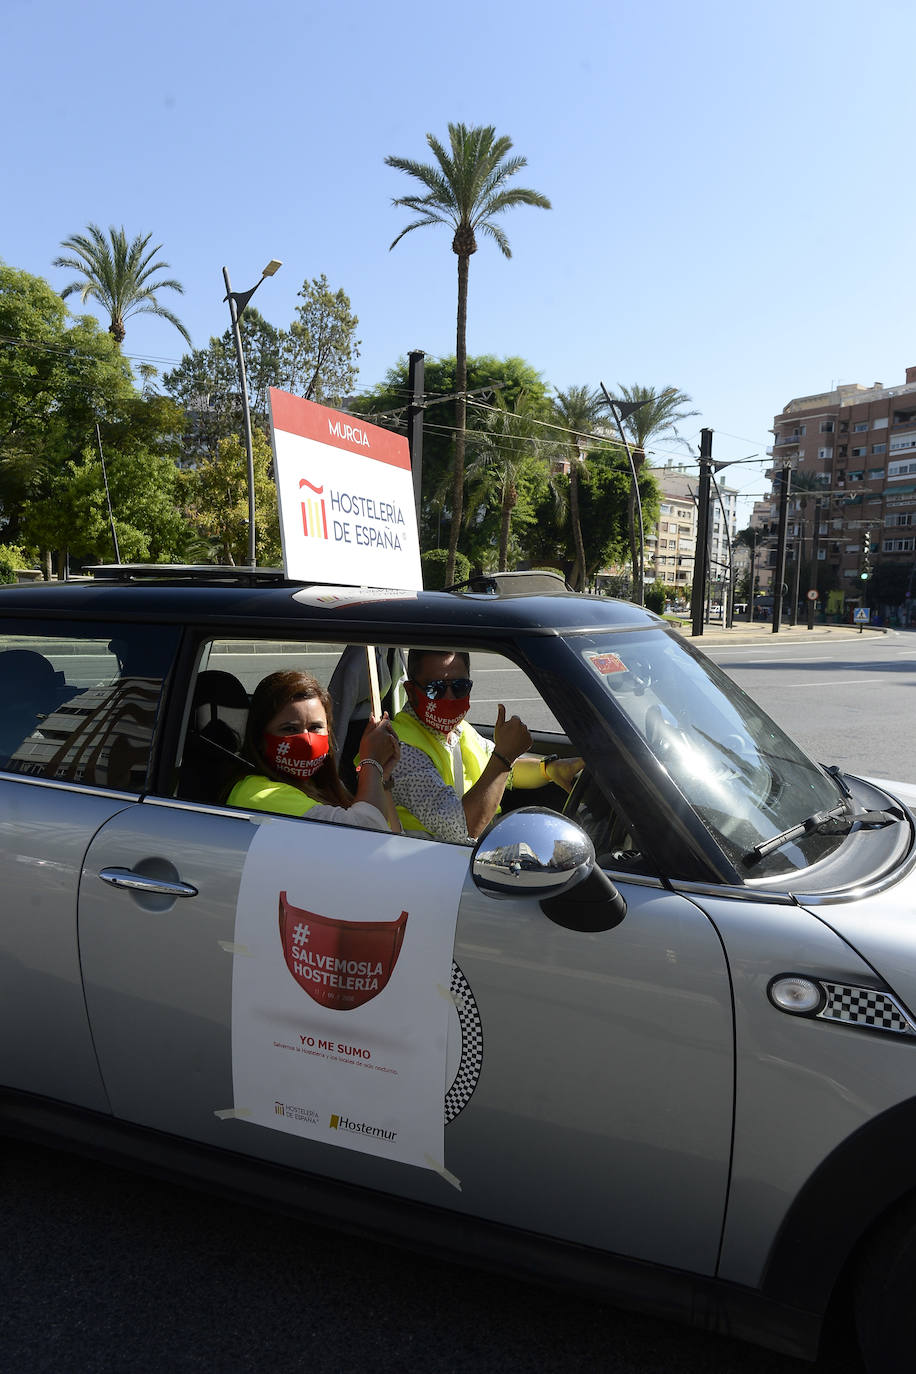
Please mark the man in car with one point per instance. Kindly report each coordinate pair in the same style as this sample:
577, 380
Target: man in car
450, 780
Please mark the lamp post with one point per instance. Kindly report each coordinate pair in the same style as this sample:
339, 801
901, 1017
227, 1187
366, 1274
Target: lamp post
237, 302
622, 410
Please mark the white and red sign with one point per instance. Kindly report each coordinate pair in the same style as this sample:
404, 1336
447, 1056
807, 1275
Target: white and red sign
347, 512
341, 1014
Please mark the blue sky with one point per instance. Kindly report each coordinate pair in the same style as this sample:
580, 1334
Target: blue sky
732, 193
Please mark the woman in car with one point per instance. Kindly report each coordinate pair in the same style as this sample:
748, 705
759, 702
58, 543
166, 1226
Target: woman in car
289, 744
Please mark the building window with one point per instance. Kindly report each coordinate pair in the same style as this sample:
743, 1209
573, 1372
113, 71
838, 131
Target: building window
665, 510
860, 427
901, 518
879, 448
897, 545
821, 555
875, 474
900, 442
856, 476
825, 427
825, 453
902, 468
879, 424
858, 453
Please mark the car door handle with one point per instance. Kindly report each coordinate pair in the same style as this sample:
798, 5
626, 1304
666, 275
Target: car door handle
139, 882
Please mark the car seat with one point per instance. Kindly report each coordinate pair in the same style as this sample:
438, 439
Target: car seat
216, 733
30, 689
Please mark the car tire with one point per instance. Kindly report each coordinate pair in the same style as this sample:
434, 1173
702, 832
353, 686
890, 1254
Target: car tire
885, 1294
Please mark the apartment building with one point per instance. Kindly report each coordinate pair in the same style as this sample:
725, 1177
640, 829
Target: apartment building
670, 553
851, 453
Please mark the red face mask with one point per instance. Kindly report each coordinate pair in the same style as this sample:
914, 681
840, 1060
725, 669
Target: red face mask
443, 715
300, 756
340, 964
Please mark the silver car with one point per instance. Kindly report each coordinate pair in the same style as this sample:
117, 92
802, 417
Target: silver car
652, 1036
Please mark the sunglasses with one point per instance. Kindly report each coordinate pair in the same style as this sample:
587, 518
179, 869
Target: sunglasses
440, 687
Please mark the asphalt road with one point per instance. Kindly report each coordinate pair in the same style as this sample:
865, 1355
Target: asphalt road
848, 701
103, 1271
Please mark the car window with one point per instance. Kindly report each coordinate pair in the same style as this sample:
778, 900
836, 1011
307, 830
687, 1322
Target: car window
79, 703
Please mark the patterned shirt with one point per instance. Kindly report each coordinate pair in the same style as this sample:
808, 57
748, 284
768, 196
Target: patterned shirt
419, 788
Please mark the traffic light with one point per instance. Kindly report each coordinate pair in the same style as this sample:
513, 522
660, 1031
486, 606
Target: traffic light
865, 574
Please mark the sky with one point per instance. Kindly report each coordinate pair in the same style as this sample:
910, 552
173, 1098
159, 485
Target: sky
732, 201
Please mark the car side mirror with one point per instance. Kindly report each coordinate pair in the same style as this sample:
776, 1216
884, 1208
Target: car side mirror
532, 852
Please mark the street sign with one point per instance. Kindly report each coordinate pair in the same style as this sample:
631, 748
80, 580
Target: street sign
861, 615
812, 595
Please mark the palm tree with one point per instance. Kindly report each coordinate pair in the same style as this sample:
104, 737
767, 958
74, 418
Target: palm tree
578, 410
118, 275
659, 412
503, 449
464, 189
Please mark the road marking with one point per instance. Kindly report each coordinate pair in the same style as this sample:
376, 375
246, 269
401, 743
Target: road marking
850, 682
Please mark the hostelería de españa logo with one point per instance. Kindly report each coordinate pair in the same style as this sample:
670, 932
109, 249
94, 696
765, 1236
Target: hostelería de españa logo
314, 515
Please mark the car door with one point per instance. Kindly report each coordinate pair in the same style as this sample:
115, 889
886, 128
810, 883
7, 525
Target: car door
588, 1092
78, 703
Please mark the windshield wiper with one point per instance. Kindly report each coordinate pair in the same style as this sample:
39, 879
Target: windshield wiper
808, 826
864, 820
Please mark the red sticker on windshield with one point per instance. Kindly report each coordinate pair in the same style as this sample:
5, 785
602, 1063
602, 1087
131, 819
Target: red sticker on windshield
607, 663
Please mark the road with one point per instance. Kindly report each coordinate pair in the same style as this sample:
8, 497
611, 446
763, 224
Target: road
847, 701
104, 1272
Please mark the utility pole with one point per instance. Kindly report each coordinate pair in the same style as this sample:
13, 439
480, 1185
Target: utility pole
415, 371
781, 546
701, 558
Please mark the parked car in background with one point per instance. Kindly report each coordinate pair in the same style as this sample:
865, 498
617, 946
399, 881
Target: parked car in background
670, 1053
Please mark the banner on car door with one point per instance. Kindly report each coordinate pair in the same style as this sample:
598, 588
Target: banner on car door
340, 996
347, 513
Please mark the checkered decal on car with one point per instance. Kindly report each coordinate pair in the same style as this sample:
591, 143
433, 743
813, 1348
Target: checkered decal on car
865, 1007
471, 1058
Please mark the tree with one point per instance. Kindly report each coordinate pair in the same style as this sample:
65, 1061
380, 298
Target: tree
216, 500
503, 450
577, 409
319, 353
119, 275
465, 190
506, 377
314, 358
659, 413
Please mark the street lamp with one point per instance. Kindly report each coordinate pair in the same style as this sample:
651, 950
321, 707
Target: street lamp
237, 302
622, 410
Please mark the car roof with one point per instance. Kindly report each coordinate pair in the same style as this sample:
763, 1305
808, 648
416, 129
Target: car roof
232, 595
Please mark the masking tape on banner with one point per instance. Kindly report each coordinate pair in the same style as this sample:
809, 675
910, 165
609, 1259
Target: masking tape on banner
228, 1112
450, 996
230, 948
441, 1170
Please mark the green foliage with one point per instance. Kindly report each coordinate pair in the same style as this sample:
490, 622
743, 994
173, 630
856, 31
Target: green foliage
656, 596
315, 358
508, 377
12, 558
119, 275
434, 563
216, 498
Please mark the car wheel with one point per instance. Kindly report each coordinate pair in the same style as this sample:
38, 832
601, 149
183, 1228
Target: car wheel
885, 1294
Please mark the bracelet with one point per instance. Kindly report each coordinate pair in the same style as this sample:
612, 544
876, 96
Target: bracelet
503, 760
375, 764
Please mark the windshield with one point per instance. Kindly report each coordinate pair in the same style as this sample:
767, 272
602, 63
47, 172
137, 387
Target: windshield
745, 779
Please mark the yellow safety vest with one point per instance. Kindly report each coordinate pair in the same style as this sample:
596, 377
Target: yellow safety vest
474, 756
259, 793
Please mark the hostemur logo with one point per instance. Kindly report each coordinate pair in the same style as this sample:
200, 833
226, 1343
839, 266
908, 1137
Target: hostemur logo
343, 1123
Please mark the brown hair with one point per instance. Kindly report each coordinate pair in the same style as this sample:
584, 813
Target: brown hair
270, 696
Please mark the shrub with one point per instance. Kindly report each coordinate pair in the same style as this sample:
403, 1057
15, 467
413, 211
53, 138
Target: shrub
433, 564
656, 596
